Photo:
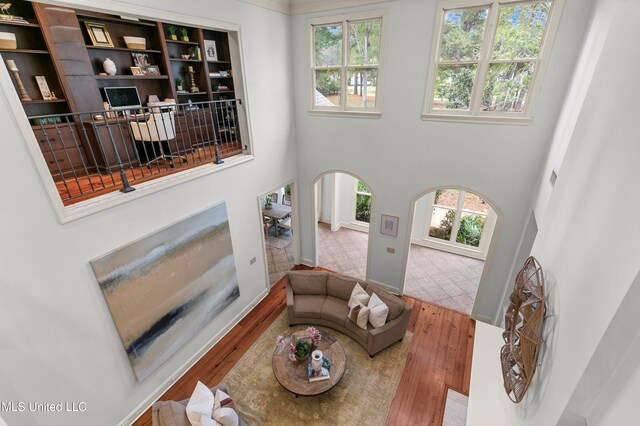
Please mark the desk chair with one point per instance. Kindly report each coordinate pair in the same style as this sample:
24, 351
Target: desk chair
158, 128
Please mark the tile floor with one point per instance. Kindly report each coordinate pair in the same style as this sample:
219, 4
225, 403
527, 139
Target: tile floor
279, 261
343, 251
446, 279
434, 276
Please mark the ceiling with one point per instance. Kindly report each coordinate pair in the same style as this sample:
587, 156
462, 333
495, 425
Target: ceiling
297, 7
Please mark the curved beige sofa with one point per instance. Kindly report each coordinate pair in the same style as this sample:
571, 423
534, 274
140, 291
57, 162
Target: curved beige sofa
315, 297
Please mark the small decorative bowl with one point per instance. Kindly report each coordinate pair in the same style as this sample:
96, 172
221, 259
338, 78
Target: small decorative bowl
186, 56
8, 41
137, 43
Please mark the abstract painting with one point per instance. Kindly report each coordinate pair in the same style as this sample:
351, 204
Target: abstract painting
164, 288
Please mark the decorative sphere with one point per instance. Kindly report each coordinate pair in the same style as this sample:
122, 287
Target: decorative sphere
109, 67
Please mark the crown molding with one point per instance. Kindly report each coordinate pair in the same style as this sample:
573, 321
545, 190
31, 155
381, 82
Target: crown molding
298, 7
282, 6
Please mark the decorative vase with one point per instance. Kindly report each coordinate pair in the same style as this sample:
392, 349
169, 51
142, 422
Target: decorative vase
316, 360
302, 358
268, 206
173, 37
110, 67
179, 87
185, 38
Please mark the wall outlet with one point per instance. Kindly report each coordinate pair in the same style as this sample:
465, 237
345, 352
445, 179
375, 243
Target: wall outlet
391, 250
252, 260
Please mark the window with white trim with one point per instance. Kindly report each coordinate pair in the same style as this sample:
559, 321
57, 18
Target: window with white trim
362, 210
345, 63
489, 59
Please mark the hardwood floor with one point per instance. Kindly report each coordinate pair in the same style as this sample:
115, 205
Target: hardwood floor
73, 190
439, 357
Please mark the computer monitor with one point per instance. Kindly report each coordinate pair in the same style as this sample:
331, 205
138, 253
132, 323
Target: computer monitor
123, 97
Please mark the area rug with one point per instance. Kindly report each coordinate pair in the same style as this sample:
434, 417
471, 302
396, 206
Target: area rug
455, 409
363, 395
280, 241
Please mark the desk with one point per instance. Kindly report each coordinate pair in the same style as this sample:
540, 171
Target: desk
277, 212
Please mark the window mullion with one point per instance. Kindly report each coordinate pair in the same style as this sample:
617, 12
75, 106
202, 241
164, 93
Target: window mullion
485, 56
345, 64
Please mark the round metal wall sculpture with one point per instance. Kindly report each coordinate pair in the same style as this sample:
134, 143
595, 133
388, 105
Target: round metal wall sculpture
523, 330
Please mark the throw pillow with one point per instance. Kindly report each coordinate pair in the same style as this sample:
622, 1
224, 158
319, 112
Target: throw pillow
226, 416
200, 404
207, 421
223, 411
378, 311
359, 314
358, 295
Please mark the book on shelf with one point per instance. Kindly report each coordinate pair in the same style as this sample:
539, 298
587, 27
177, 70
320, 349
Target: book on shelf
214, 74
14, 19
316, 376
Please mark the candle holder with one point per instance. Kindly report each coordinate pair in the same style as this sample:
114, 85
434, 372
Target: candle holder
11, 66
192, 76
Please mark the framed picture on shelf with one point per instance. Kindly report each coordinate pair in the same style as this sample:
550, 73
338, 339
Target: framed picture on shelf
98, 34
141, 60
44, 87
153, 70
210, 52
389, 225
136, 71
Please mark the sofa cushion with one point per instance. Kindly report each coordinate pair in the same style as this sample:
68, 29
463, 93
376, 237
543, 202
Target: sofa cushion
308, 282
308, 306
359, 295
172, 414
395, 304
361, 334
340, 287
335, 310
378, 311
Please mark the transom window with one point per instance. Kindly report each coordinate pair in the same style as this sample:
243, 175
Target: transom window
345, 63
489, 59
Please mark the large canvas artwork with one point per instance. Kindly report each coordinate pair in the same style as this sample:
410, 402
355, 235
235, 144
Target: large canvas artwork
164, 288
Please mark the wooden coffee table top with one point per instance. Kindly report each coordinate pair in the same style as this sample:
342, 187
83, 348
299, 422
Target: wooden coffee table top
293, 375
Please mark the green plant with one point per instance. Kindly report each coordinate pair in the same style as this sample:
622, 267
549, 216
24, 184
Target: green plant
303, 348
438, 194
268, 200
287, 190
363, 208
444, 231
184, 32
172, 30
178, 82
470, 230
327, 84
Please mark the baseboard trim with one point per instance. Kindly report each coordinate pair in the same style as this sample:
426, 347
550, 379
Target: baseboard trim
483, 318
153, 397
307, 262
387, 287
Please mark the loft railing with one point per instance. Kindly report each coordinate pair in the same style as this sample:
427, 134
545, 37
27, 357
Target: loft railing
89, 154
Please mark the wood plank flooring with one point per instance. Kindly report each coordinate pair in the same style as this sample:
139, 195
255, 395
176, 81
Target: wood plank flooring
439, 357
84, 187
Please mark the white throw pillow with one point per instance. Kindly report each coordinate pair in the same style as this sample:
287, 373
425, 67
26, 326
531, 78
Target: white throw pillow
378, 311
358, 295
200, 404
226, 416
207, 421
359, 314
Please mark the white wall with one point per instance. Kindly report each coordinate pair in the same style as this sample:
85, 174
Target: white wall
58, 340
400, 156
589, 253
338, 198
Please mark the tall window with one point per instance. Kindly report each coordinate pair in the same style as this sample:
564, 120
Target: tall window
346, 55
489, 59
363, 203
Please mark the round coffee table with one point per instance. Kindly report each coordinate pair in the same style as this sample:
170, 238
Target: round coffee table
293, 376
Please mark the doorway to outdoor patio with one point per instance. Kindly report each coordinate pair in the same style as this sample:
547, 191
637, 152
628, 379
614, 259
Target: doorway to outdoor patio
276, 216
343, 211
450, 237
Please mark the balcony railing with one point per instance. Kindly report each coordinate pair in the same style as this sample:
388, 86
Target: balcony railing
93, 153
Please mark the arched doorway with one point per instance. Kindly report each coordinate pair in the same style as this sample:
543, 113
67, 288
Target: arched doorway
450, 237
343, 210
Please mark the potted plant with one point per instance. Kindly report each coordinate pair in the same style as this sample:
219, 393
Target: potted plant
185, 34
178, 84
268, 202
172, 32
302, 349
